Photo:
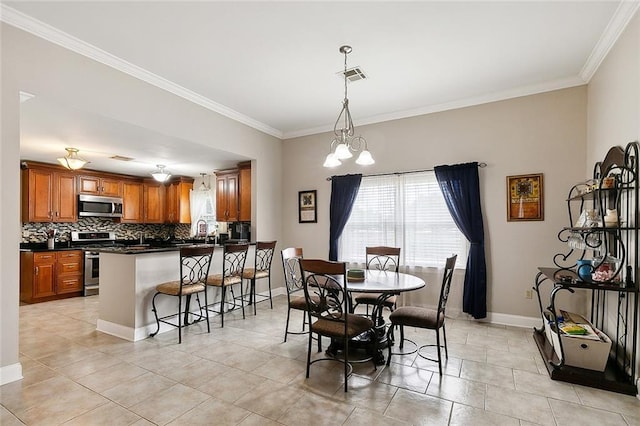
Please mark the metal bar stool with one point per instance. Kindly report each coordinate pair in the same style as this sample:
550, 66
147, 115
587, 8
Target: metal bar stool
233, 261
194, 269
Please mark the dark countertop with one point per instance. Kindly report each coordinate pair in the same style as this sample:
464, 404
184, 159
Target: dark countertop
138, 249
43, 247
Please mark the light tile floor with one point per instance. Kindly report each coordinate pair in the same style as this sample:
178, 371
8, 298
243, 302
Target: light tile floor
245, 375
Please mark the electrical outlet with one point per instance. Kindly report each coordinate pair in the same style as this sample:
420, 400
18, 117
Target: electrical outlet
528, 294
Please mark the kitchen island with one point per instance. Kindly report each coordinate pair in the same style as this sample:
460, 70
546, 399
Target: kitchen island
128, 278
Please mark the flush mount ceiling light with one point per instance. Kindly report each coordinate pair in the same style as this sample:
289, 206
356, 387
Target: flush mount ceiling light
344, 142
160, 174
71, 161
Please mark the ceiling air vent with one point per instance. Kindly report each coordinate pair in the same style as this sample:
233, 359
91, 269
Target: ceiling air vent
121, 158
352, 74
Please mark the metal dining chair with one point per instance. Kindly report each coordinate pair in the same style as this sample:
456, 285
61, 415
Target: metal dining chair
432, 319
326, 294
293, 280
385, 259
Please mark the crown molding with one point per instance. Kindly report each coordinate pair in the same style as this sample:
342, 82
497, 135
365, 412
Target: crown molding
462, 103
47, 32
615, 27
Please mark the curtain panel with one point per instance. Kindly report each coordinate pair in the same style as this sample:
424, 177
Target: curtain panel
343, 193
460, 186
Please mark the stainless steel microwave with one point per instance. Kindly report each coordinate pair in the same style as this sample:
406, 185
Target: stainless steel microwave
98, 206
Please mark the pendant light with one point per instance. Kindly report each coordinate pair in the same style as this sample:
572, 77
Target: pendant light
344, 142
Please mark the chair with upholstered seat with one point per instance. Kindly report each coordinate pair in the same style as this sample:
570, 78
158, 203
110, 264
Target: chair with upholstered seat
293, 279
385, 259
233, 261
432, 319
325, 290
194, 269
261, 270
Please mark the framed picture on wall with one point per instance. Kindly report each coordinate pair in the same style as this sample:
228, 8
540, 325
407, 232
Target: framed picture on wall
525, 198
307, 207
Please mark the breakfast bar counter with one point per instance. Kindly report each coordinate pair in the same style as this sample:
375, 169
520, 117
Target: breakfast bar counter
128, 278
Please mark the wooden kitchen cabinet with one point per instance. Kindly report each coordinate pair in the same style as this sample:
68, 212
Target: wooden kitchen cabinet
100, 185
227, 206
48, 195
153, 202
132, 202
50, 275
69, 268
177, 201
244, 196
233, 194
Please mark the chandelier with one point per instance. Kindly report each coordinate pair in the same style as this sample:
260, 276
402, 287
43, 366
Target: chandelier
71, 161
344, 142
160, 174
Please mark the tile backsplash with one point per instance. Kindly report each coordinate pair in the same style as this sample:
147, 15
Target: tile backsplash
33, 232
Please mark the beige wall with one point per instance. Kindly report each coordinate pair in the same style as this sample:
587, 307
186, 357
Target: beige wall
41, 68
614, 110
544, 133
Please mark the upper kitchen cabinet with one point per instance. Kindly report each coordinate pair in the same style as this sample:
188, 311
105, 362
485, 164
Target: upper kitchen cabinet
153, 202
245, 191
177, 201
227, 195
48, 195
100, 185
132, 202
233, 194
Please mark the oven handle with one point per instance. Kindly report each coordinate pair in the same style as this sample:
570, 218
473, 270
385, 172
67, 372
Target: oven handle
91, 256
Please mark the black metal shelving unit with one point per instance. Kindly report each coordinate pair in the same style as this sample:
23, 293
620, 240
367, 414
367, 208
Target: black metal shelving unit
614, 246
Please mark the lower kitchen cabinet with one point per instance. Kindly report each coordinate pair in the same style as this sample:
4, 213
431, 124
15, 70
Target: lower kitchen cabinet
50, 275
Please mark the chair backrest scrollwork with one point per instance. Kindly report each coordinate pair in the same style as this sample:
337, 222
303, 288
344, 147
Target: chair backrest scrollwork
292, 271
383, 258
264, 255
194, 265
233, 260
325, 289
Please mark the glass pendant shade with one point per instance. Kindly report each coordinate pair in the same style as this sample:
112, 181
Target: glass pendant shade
343, 152
161, 175
71, 161
365, 158
331, 161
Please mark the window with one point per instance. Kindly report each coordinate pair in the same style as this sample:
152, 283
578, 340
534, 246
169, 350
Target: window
406, 211
203, 212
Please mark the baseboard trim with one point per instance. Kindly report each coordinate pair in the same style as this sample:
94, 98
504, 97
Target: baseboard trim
128, 333
513, 320
10, 373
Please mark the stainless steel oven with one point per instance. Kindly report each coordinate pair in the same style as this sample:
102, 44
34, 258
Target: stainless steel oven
91, 272
88, 240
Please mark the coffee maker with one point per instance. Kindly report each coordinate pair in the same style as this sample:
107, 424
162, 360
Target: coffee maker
240, 231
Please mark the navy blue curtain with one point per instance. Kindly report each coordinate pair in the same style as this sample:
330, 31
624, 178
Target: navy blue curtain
460, 186
343, 194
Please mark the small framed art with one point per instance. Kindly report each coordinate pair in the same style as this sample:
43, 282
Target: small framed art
525, 198
307, 207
